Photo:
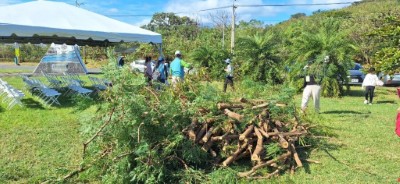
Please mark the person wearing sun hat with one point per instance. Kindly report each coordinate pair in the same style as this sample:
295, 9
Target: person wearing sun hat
177, 68
229, 75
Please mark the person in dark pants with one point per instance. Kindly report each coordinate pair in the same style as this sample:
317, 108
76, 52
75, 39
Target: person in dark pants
369, 83
121, 61
229, 75
148, 72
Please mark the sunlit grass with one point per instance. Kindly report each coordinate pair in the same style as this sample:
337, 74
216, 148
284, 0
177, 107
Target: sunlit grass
38, 143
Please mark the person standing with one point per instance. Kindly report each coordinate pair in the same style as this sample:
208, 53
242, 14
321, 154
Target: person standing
121, 61
148, 72
369, 83
229, 75
312, 88
163, 70
177, 68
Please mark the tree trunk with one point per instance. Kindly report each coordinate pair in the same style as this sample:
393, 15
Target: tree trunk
229, 106
233, 115
282, 141
246, 133
256, 156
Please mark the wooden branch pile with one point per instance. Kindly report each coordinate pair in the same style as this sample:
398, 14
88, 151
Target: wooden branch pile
225, 141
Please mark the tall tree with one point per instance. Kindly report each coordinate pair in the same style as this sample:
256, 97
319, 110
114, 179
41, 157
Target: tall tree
317, 42
257, 58
387, 58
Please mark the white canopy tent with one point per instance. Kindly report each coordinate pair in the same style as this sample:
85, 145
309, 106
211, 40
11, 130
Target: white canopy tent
47, 21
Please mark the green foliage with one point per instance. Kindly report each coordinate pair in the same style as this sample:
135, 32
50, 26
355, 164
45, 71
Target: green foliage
313, 45
258, 59
387, 58
142, 139
211, 59
224, 176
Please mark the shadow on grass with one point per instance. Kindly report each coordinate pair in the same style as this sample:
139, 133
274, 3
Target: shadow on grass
355, 92
386, 102
32, 104
2, 109
318, 139
350, 166
344, 112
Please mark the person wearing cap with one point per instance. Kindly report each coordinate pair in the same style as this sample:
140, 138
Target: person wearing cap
162, 68
229, 75
177, 68
312, 88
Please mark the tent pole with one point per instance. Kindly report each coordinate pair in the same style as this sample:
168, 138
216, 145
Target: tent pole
160, 49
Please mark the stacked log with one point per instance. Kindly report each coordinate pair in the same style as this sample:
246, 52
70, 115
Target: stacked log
224, 140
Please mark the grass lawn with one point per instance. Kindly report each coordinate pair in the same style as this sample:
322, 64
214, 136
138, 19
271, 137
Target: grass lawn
38, 143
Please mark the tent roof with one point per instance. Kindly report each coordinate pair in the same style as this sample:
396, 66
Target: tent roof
48, 21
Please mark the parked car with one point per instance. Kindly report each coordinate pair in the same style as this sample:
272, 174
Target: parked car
388, 80
356, 75
138, 65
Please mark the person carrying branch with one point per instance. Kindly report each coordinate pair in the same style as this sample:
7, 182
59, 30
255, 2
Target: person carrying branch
229, 75
177, 68
312, 88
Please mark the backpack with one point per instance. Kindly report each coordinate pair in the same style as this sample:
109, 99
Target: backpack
156, 74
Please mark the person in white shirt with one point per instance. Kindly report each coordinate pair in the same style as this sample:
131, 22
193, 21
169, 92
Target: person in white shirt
369, 83
229, 75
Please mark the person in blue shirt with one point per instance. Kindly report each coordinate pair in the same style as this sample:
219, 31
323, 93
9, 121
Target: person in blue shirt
177, 68
162, 69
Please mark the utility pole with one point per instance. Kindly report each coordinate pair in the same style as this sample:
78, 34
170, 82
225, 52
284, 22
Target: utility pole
233, 27
223, 30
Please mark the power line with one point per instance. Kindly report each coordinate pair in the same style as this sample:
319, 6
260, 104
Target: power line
306, 4
224, 7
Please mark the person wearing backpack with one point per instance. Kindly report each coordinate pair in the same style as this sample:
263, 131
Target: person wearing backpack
177, 68
160, 73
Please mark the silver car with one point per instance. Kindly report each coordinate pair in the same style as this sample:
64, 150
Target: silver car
138, 65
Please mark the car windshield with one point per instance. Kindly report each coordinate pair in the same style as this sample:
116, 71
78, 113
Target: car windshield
357, 67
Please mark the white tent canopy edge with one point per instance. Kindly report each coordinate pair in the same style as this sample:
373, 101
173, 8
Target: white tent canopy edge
47, 18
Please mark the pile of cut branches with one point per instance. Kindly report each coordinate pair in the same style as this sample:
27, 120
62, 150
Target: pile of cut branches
245, 131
